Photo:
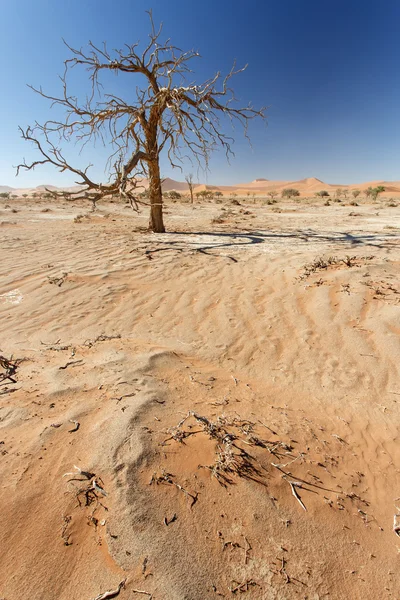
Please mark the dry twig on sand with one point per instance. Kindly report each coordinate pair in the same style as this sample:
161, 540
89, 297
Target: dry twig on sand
166, 478
10, 368
293, 485
93, 487
71, 363
111, 593
241, 587
101, 338
77, 425
57, 280
396, 524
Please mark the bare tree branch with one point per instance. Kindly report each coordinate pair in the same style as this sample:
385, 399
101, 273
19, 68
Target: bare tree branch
169, 114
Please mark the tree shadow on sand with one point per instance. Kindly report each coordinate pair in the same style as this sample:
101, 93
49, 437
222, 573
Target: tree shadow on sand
189, 240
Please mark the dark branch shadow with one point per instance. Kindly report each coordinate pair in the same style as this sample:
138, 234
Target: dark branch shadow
249, 238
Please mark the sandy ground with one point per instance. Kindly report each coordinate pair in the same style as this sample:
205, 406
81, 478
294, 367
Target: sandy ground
229, 391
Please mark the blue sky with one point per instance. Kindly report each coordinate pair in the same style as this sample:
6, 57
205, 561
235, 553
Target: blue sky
328, 71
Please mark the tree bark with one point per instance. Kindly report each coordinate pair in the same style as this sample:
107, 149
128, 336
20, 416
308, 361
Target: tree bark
156, 223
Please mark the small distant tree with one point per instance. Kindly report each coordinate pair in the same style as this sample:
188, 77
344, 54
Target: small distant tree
355, 193
173, 194
24, 195
290, 193
376, 191
5, 195
272, 194
189, 181
167, 113
322, 194
368, 192
218, 194
345, 193
338, 193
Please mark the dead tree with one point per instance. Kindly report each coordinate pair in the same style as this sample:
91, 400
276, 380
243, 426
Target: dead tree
189, 181
168, 114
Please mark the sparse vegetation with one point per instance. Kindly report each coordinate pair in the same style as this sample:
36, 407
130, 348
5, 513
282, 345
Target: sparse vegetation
173, 195
376, 191
272, 195
322, 194
355, 193
290, 193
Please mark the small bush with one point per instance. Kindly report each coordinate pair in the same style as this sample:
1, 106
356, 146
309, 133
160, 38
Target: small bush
322, 194
173, 195
290, 193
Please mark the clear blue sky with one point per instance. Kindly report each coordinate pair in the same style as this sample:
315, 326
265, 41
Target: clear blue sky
329, 72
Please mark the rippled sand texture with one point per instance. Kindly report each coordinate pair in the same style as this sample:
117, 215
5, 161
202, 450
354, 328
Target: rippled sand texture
277, 332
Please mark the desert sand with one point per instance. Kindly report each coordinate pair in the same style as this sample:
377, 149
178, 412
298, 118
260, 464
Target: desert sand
208, 413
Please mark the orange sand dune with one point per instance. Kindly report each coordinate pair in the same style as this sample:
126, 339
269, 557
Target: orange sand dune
307, 187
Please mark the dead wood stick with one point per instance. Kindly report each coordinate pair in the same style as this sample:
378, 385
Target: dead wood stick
319, 487
246, 550
143, 592
396, 526
77, 425
71, 363
269, 428
295, 493
111, 593
282, 570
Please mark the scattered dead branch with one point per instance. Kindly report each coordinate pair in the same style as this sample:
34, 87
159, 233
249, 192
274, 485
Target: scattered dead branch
246, 550
10, 367
282, 570
56, 346
396, 523
323, 264
171, 520
71, 363
77, 425
91, 492
111, 593
233, 439
241, 587
101, 338
167, 478
58, 281
293, 485
230, 434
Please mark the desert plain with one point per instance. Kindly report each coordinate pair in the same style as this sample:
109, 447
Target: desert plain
208, 413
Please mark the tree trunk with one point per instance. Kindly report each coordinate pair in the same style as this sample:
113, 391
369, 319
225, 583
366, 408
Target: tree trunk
156, 223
